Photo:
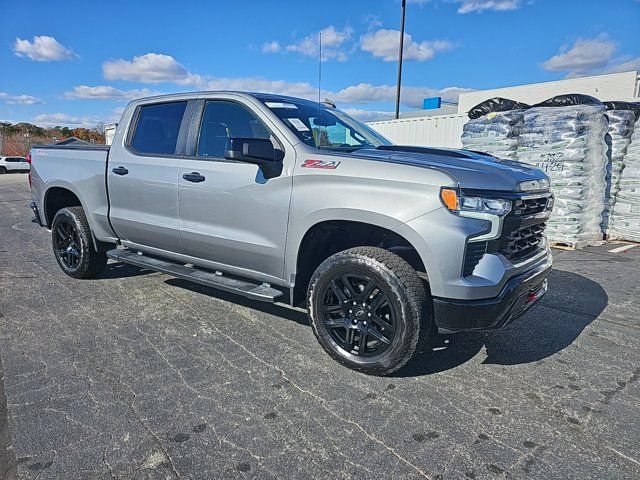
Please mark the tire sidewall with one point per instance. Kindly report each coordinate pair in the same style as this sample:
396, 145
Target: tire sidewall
67, 216
391, 286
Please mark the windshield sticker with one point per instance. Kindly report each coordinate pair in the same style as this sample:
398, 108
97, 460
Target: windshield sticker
281, 105
325, 164
297, 123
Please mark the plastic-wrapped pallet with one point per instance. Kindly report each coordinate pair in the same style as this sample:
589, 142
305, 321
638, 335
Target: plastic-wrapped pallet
565, 137
625, 220
621, 117
494, 127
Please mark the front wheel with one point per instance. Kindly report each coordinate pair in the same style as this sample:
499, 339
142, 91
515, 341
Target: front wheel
3, 170
73, 246
369, 309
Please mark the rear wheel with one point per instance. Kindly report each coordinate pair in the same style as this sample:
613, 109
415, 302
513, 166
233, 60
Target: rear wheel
369, 309
73, 246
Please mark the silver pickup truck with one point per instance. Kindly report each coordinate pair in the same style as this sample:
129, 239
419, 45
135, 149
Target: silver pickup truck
282, 199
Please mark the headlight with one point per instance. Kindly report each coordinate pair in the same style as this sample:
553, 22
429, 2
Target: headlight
457, 203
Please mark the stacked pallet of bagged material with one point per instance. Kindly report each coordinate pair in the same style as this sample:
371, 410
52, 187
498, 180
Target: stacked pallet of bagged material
565, 137
494, 127
625, 220
621, 117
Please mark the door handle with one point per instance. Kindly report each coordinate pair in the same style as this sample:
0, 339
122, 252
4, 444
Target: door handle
194, 177
120, 171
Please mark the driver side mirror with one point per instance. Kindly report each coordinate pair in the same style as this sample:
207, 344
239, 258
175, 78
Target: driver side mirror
258, 151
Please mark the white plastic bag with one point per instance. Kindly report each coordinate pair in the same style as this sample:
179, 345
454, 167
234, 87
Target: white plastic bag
568, 144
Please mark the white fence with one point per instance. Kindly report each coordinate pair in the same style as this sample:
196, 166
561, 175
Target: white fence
433, 131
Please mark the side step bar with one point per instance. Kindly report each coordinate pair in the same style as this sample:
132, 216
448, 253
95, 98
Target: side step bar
254, 291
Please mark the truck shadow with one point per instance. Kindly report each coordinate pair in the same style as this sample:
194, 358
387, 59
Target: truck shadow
571, 303
122, 270
276, 309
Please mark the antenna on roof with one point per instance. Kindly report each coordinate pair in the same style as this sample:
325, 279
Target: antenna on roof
319, 67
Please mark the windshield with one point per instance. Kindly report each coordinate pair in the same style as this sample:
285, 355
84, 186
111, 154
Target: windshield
326, 128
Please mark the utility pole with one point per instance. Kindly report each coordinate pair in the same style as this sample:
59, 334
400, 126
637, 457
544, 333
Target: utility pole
404, 8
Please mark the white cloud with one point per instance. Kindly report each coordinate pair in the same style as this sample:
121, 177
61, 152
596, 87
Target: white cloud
149, 68
470, 6
259, 84
364, 93
386, 43
332, 41
624, 64
106, 92
271, 47
43, 49
170, 70
585, 55
19, 99
157, 68
369, 115
65, 120
591, 56
372, 21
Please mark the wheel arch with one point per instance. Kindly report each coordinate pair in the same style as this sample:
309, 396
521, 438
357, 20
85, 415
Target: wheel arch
63, 195
56, 198
326, 237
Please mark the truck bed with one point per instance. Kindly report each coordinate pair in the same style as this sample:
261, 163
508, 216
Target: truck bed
78, 168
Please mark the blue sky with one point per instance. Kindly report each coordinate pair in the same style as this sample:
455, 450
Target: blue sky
79, 63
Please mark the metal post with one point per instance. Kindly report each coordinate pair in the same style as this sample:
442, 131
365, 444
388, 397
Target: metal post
404, 6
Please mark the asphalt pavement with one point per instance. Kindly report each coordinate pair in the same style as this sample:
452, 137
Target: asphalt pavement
138, 375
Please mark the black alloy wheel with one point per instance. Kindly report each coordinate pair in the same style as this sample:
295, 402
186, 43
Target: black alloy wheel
67, 244
73, 245
358, 315
369, 309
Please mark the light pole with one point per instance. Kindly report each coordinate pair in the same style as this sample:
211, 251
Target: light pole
404, 7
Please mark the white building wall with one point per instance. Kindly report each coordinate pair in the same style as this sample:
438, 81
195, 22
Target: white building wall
615, 86
434, 131
109, 132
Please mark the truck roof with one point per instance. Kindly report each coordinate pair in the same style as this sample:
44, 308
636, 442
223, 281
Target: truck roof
264, 97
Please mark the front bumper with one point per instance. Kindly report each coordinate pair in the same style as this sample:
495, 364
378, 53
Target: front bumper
518, 295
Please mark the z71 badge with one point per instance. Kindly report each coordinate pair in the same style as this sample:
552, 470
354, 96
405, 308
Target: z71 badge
330, 165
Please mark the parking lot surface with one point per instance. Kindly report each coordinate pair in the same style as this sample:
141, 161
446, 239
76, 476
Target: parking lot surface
138, 375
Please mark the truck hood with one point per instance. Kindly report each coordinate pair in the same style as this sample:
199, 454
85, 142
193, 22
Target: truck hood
472, 170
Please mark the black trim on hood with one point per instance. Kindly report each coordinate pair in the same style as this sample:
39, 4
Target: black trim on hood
431, 151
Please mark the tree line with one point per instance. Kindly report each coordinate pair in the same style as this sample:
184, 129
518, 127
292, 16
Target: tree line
17, 139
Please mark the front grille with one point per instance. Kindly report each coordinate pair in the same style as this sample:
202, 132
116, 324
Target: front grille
523, 242
529, 206
522, 233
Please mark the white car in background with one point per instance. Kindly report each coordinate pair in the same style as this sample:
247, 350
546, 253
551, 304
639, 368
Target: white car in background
14, 164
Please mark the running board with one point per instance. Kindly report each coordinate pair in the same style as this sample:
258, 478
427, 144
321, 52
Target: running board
255, 291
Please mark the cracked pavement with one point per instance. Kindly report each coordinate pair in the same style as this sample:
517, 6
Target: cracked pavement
138, 375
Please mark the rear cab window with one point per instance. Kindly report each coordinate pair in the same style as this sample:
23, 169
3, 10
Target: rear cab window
157, 128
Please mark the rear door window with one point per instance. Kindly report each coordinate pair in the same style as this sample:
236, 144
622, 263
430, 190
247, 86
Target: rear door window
157, 128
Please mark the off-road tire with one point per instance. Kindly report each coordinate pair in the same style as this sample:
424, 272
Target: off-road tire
404, 289
91, 263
